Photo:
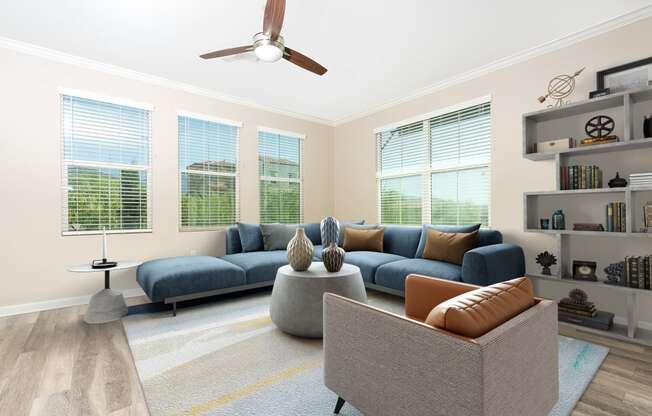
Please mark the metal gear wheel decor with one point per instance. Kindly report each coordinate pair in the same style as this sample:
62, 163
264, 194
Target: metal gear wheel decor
599, 126
560, 87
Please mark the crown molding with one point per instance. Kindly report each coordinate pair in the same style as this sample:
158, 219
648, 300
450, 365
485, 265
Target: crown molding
66, 58
551, 46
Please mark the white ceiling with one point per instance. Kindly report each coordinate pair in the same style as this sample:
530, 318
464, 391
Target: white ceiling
376, 51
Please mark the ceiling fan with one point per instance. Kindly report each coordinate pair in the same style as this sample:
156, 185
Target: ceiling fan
269, 45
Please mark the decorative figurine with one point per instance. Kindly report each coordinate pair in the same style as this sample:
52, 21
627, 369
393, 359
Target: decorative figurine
558, 220
578, 296
617, 182
614, 273
546, 260
560, 87
545, 223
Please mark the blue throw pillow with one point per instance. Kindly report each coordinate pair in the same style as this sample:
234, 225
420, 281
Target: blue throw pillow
443, 229
313, 232
251, 237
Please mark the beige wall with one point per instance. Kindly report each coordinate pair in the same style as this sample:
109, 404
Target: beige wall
34, 255
514, 91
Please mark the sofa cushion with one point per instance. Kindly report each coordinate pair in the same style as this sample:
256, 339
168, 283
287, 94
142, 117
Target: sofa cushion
178, 276
363, 240
488, 237
369, 261
393, 275
443, 229
277, 236
401, 240
251, 237
233, 244
259, 266
313, 232
477, 312
449, 247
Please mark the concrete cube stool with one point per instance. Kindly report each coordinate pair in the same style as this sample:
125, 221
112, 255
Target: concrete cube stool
175, 279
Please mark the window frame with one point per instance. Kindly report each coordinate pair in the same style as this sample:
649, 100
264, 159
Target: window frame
426, 171
67, 163
301, 139
236, 174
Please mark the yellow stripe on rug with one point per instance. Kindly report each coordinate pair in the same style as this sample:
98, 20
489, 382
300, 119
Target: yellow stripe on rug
252, 388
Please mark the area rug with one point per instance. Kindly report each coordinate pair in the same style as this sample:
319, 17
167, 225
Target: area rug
228, 358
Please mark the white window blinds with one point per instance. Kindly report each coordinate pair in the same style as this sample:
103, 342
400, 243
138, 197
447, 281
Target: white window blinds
208, 172
106, 166
280, 160
436, 170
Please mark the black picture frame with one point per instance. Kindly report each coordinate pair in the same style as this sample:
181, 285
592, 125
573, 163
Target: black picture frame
599, 82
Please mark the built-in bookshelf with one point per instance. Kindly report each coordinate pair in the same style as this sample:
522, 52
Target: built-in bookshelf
627, 109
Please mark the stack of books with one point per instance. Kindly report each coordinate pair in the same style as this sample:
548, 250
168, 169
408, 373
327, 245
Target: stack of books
584, 314
592, 141
638, 273
616, 220
580, 177
640, 180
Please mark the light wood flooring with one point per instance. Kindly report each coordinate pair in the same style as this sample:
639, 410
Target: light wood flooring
52, 363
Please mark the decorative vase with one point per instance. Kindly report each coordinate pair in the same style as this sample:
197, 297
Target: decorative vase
330, 231
558, 220
617, 182
647, 126
300, 251
333, 257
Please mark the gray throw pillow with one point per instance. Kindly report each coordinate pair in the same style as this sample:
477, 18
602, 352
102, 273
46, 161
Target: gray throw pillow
345, 225
277, 236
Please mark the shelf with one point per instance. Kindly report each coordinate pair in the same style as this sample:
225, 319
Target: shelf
600, 283
587, 233
581, 107
619, 332
598, 148
580, 191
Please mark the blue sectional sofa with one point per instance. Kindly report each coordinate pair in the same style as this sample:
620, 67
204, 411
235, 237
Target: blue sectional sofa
180, 278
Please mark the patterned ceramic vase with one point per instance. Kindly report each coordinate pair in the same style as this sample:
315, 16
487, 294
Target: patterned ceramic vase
333, 257
330, 231
300, 251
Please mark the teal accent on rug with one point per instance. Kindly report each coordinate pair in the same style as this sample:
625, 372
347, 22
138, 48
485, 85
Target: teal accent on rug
228, 358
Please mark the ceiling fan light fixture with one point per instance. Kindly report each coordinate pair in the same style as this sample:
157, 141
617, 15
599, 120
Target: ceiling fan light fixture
266, 49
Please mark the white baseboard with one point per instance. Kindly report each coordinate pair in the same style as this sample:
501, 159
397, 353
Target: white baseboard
59, 303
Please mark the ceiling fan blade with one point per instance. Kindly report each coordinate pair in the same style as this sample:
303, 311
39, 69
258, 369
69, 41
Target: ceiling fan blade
273, 20
227, 52
303, 61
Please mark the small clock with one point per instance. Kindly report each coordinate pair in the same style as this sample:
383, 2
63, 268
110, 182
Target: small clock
584, 270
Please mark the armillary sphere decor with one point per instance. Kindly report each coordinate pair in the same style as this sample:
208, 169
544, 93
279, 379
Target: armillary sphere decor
599, 126
561, 87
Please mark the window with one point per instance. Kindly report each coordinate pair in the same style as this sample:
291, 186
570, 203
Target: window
106, 165
436, 169
208, 172
280, 161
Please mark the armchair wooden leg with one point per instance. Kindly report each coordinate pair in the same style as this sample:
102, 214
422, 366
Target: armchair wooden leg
338, 406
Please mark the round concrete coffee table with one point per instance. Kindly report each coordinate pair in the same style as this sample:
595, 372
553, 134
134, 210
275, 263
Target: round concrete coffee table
297, 297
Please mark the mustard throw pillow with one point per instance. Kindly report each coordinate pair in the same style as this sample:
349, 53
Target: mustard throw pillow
363, 240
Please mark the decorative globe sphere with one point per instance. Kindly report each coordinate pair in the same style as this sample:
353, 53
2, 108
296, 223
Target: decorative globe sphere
561, 86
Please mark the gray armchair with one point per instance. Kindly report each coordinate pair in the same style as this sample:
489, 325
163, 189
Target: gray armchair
387, 364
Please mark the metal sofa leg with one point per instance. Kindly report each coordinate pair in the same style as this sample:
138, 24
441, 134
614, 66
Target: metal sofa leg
174, 309
338, 406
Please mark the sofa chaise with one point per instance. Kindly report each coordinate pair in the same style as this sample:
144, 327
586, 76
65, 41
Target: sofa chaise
172, 280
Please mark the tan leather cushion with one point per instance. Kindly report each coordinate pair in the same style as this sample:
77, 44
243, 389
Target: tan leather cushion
363, 240
477, 312
449, 247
